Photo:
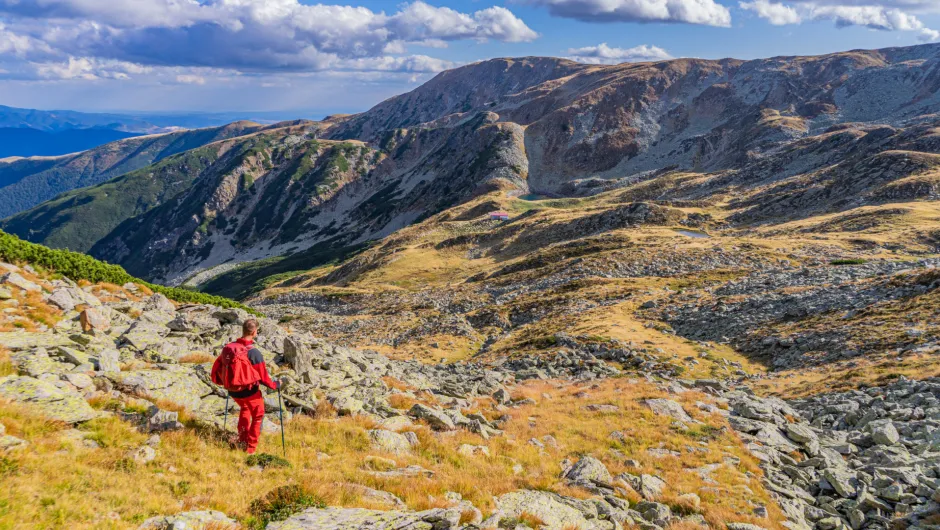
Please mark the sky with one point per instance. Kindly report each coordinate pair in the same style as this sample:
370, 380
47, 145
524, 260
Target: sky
308, 59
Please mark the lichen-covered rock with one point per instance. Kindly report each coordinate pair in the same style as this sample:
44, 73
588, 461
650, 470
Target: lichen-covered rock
198, 520
588, 470
390, 442
435, 418
181, 387
555, 512
94, 319
16, 280
15, 341
51, 401
667, 407
361, 519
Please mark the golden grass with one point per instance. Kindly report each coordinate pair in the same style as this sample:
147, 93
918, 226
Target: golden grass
197, 358
61, 485
6, 364
848, 375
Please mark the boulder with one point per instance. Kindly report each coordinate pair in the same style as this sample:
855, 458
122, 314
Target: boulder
180, 387
14, 279
473, 450
164, 420
667, 407
435, 418
62, 298
883, 432
158, 302
94, 319
143, 454
588, 470
555, 512
198, 520
109, 360
362, 519
390, 442
395, 423
50, 400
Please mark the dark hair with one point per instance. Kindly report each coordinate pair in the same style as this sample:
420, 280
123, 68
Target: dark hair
249, 327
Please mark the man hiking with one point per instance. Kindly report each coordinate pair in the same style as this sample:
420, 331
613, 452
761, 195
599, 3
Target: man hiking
240, 370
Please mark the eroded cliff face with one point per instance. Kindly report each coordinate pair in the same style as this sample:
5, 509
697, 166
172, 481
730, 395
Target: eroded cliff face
620, 121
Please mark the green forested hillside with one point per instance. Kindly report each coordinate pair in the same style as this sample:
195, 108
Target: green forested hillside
77, 219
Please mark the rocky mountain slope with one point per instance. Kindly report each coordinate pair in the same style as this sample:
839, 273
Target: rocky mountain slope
763, 141
26, 182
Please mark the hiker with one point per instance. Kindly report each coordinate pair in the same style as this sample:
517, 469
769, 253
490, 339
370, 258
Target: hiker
240, 370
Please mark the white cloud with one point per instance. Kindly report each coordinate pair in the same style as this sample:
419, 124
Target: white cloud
88, 68
875, 14
246, 36
706, 12
190, 79
775, 13
604, 54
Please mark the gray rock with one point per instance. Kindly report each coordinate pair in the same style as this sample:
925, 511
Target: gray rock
667, 407
883, 432
361, 519
555, 511
390, 442
143, 454
588, 470
49, 400
435, 418
14, 279
197, 520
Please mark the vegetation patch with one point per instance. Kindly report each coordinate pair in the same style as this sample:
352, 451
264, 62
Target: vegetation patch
266, 460
281, 503
82, 267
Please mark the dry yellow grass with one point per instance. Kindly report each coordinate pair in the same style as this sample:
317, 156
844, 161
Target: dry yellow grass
197, 358
847, 375
60, 485
6, 364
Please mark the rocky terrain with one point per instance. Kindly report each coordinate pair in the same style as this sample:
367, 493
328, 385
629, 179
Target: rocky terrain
859, 459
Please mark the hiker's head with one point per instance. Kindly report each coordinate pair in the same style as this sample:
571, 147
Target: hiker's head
250, 329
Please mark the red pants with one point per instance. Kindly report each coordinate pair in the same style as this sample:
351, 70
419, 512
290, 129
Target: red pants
250, 418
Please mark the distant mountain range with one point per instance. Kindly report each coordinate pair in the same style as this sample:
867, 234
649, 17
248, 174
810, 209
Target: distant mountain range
23, 141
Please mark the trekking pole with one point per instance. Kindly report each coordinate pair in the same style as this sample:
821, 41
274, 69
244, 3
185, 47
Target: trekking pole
225, 416
280, 412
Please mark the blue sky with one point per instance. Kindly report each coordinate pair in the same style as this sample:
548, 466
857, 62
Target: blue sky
309, 59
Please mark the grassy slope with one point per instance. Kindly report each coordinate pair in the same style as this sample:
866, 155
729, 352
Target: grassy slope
56, 484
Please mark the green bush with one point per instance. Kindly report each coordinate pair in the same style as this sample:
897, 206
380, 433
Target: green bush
857, 261
266, 460
83, 267
279, 504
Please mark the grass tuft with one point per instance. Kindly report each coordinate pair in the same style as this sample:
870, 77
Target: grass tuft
281, 503
266, 460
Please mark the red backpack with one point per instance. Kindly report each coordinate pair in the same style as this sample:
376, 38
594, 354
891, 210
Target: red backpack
233, 371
